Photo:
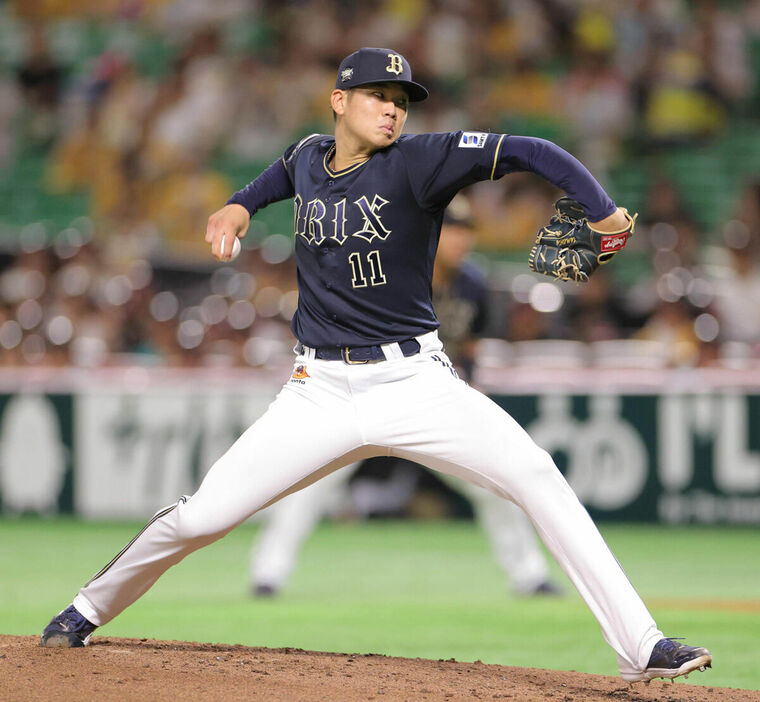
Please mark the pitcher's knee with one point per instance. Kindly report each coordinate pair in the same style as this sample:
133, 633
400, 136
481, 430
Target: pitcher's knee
514, 474
198, 526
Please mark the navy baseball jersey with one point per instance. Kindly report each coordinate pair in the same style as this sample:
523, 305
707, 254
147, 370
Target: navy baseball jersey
366, 236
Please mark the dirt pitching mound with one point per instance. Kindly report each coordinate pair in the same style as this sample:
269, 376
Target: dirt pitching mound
120, 670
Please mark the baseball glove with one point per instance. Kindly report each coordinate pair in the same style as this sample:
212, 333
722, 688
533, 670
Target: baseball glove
569, 248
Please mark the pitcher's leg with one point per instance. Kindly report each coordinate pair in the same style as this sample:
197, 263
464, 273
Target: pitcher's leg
238, 484
460, 431
572, 538
136, 567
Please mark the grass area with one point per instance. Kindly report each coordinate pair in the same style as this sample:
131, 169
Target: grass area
426, 590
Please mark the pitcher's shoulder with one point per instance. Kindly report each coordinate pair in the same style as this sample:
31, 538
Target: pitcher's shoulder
321, 142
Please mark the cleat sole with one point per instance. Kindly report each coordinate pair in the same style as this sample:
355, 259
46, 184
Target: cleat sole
700, 663
63, 639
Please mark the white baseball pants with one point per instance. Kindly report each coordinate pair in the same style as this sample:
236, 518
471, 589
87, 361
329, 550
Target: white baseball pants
332, 414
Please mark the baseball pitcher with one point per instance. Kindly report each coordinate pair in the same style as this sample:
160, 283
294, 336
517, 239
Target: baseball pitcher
370, 376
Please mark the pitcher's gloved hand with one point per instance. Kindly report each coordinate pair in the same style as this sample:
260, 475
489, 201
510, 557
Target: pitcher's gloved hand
569, 248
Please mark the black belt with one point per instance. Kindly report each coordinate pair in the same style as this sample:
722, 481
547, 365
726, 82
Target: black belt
360, 354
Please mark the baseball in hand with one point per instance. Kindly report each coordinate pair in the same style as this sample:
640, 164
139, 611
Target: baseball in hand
236, 247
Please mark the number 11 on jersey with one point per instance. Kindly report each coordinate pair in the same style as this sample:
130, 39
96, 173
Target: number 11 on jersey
374, 267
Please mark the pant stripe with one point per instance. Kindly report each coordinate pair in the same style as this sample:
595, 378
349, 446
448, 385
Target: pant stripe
161, 513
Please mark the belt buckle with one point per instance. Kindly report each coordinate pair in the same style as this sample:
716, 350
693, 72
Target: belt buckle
346, 353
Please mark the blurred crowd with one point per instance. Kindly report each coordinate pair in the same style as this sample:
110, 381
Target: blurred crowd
158, 109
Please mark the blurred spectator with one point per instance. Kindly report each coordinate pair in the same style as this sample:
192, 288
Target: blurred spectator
679, 102
193, 110
525, 323
10, 108
672, 325
596, 311
596, 101
448, 42
519, 95
748, 212
664, 202
257, 129
737, 286
509, 216
40, 79
722, 40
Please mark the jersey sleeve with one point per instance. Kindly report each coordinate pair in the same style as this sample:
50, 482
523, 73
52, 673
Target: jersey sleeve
440, 165
562, 169
272, 185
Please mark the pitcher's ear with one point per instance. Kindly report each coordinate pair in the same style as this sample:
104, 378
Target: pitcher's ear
338, 100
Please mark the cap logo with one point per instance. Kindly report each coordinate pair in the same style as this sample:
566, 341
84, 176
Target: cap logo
346, 74
396, 65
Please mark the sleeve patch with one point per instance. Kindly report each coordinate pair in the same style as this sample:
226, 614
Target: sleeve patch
472, 140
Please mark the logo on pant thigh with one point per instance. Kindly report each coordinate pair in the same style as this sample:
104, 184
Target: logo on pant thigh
299, 374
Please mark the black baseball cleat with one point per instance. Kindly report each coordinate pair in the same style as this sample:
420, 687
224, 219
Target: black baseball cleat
670, 659
67, 629
264, 590
546, 589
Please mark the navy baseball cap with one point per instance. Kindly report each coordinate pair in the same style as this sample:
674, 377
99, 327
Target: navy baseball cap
370, 65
